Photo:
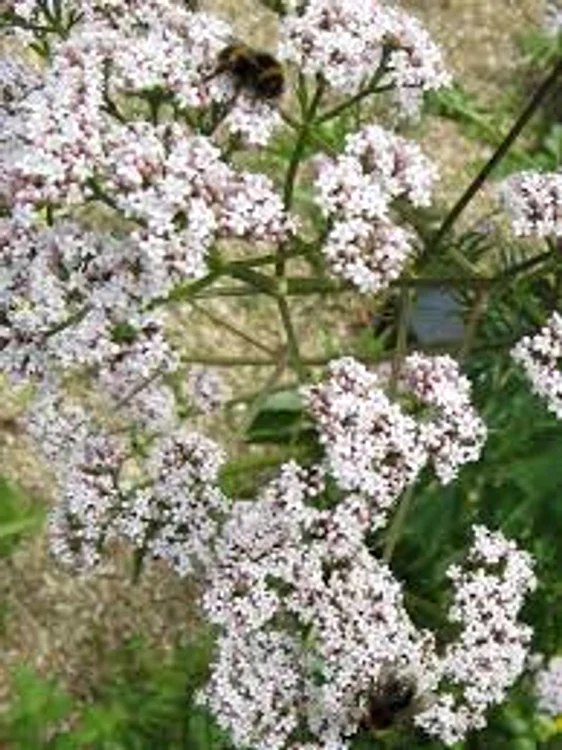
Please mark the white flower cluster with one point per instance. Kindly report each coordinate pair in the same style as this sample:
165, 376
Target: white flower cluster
175, 512
86, 461
169, 506
371, 445
186, 198
159, 47
534, 203
345, 42
16, 82
67, 305
206, 390
452, 433
133, 375
65, 126
252, 120
309, 620
355, 192
173, 185
490, 652
49, 277
548, 687
540, 356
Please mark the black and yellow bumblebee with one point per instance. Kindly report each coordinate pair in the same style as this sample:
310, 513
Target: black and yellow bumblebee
253, 71
392, 700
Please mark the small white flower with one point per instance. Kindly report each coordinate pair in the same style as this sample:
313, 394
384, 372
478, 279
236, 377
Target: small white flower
548, 687
540, 356
534, 202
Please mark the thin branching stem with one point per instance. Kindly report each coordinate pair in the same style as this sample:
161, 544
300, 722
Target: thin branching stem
292, 341
221, 322
532, 106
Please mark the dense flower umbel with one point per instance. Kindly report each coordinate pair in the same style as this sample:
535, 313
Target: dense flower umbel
453, 433
548, 687
373, 447
298, 584
490, 651
356, 191
174, 514
310, 621
168, 506
534, 202
345, 41
174, 187
540, 356
67, 295
87, 461
56, 278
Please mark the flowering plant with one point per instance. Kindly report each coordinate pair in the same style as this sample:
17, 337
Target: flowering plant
130, 196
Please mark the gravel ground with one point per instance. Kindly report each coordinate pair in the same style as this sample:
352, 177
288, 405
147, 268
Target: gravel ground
64, 625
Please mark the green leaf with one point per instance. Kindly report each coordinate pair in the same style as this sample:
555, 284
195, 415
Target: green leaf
280, 420
16, 527
18, 514
37, 708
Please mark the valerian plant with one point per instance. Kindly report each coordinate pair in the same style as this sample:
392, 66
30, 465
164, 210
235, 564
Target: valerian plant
125, 192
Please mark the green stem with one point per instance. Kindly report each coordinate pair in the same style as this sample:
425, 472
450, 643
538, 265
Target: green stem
300, 145
304, 286
218, 361
321, 360
401, 339
314, 137
536, 100
184, 292
476, 313
259, 281
292, 342
294, 163
371, 88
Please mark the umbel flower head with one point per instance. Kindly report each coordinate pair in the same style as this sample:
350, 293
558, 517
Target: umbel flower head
356, 191
346, 41
534, 203
540, 356
167, 506
311, 622
374, 447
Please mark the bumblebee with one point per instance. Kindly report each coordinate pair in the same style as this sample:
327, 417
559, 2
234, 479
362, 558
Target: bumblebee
258, 73
389, 702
